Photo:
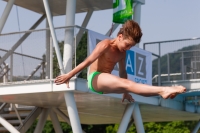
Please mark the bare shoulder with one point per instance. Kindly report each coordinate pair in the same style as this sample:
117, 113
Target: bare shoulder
105, 43
102, 46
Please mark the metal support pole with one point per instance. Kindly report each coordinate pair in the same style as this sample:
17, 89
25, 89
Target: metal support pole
126, 118
182, 65
20, 40
63, 116
74, 50
185, 72
2, 106
55, 121
8, 126
11, 67
137, 12
195, 130
159, 68
144, 46
192, 69
73, 113
195, 68
192, 75
168, 66
195, 73
17, 113
5, 77
51, 59
138, 119
42, 120
47, 52
29, 120
53, 34
5, 14
69, 35
195, 63
130, 124
137, 15
67, 61
43, 73
7, 68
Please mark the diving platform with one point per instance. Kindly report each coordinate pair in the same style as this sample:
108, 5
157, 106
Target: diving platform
58, 7
77, 105
93, 108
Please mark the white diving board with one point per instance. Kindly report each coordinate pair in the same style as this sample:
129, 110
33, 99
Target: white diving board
92, 108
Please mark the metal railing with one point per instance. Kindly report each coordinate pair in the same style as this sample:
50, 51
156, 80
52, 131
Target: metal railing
31, 57
172, 60
175, 59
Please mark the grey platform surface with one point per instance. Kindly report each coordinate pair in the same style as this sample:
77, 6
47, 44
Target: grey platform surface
58, 7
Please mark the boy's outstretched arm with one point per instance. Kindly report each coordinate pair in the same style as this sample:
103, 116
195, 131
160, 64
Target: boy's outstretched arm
123, 74
99, 50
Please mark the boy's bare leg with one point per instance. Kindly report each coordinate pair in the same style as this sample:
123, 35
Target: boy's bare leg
108, 83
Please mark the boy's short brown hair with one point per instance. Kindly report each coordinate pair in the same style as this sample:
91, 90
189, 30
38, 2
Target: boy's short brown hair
131, 30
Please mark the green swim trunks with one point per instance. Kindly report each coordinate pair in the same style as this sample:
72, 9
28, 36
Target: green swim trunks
90, 78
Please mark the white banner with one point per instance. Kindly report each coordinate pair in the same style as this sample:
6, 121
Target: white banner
138, 61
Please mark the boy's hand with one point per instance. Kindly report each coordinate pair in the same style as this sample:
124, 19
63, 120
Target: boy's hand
128, 97
62, 79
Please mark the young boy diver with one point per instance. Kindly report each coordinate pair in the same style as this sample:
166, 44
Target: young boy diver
102, 61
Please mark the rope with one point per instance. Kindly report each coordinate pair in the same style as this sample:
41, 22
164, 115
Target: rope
20, 37
111, 29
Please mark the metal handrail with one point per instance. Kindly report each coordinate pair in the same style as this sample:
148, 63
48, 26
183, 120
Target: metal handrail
21, 54
36, 30
194, 38
184, 56
171, 74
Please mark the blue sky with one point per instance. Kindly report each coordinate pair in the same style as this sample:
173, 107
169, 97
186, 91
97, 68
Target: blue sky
160, 20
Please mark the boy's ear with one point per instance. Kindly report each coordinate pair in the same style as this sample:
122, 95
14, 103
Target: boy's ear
120, 36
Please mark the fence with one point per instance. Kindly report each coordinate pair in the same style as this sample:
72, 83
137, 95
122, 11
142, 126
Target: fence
26, 55
175, 59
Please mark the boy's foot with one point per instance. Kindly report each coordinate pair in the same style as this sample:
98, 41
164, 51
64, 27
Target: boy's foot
172, 91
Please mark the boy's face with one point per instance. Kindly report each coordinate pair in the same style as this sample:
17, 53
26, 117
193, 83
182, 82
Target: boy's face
125, 44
